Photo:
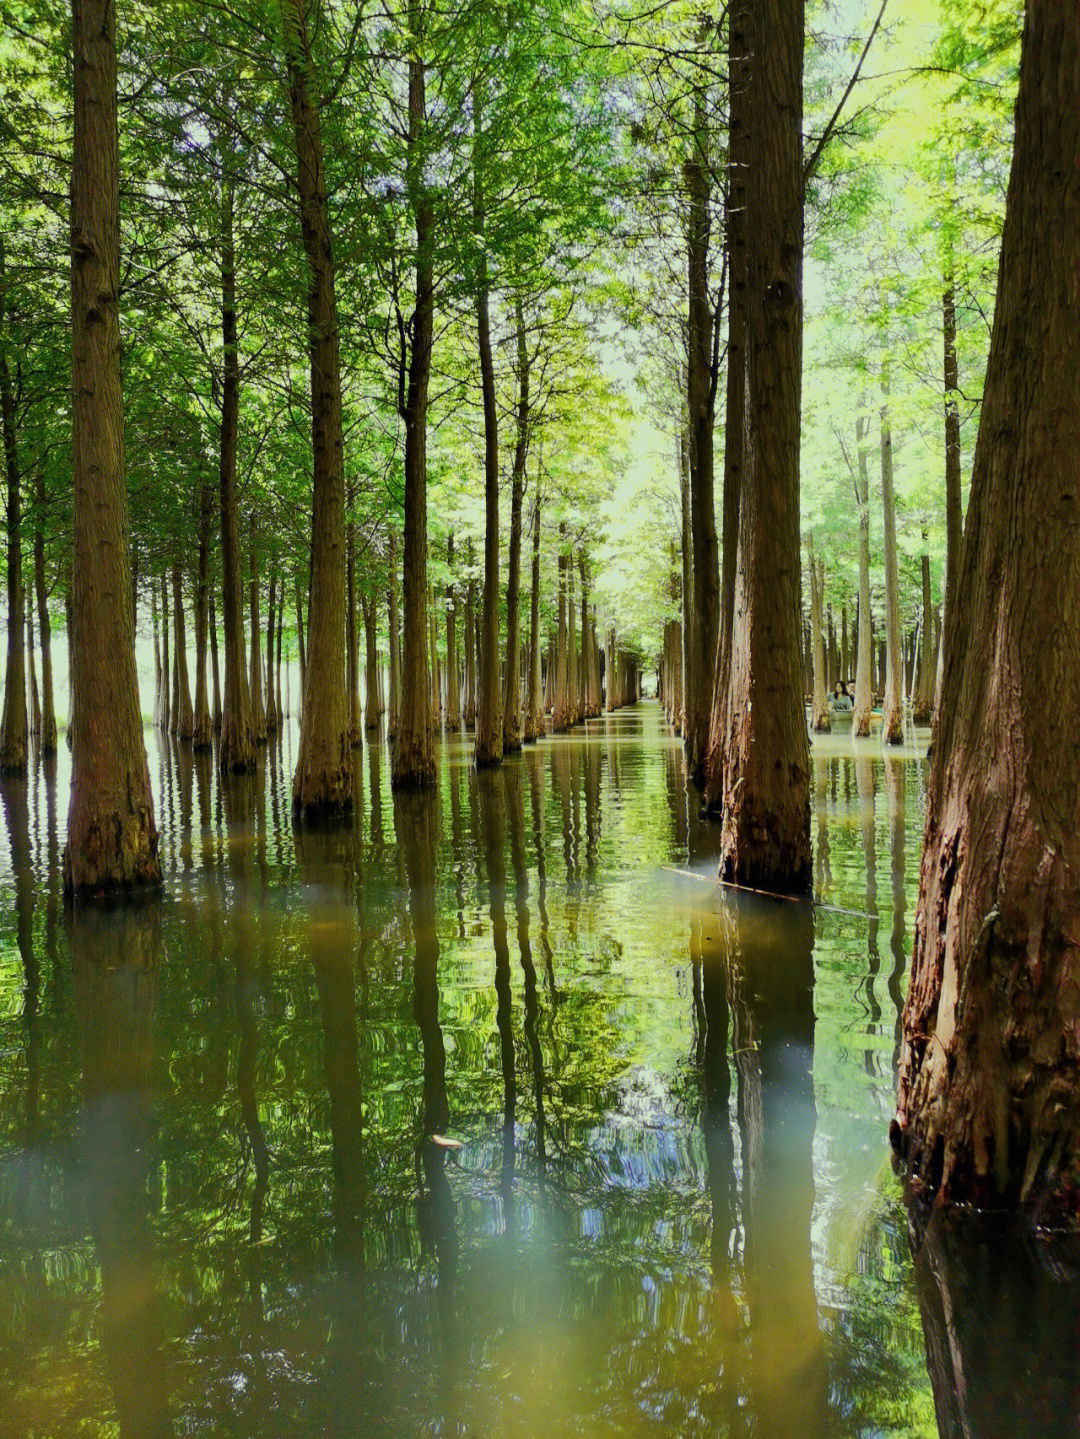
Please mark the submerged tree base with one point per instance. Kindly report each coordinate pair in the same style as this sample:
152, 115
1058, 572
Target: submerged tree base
117, 854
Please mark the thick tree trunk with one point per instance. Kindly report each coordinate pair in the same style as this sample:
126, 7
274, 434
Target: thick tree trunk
202, 731
112, 839
414, 752
183, 719
255, 683
989, 1100
892, 709
322, 783
766, 834
15, 734
701, 398
512, 735
453, 699
394, 622
236, 752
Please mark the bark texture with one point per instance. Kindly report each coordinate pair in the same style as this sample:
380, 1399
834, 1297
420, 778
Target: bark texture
766, 834
14, 736
112, 838
322, 783
892, 708
989, 1100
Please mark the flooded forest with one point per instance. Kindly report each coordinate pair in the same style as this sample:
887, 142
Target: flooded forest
539, 863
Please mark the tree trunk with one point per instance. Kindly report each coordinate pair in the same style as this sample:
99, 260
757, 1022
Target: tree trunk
512, 736
236, 752
739, 121
892, 709
112, 839
470, 648
269, 701
395, 658
864, 660
533, 701
157, 657
559, 714
766, 835
372, 708
35, 699
13, 739
352, 643
166, 669
214, 667
300, 635
322, 783
924, 696
700, 394
414, 753
989, 1099
183, 722
820, 706
258, 713
954, 513
202, 732
48, 706
489, 720
453, 699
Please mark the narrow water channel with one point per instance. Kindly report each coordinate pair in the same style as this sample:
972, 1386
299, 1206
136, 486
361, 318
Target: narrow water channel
488, 1115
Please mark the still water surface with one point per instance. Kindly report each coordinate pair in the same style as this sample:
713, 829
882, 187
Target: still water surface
489, 1115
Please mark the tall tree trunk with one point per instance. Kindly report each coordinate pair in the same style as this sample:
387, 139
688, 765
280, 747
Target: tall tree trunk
738, 253
864, 660
820, 706
301, 647
470, 647
989, 1099
766, 834
687, 581
112, 839
35, 698
413, 764
533, 700
489, 720
13, 739
924, 694
258, 713
322, 783
48, 705
270, 701
512, 728
701, 409
892, 709
214, 666
236, 752
157, 657
166, 670
395, 657
183, 722
453, 699
954, 512
203, 731
372, 708
352, 644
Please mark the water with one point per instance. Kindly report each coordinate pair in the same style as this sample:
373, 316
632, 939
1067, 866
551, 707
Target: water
490, 1115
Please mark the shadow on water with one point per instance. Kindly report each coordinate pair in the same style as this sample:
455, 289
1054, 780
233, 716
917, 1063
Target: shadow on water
486, 1113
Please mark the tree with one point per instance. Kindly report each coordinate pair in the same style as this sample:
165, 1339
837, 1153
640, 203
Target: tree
988, 1108
112, 838
766, 832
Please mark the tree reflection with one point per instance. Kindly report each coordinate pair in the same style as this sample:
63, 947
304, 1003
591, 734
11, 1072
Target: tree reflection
115, 953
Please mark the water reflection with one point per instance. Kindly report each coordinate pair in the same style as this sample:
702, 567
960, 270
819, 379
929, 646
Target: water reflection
488, 1113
